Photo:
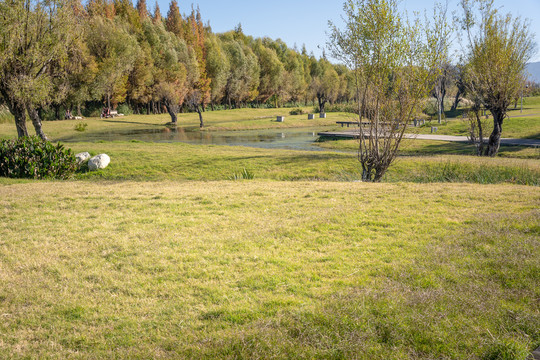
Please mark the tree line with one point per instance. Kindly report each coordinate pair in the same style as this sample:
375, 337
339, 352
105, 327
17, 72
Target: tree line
62, 53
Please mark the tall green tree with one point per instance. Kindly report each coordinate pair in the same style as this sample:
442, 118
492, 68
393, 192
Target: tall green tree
34, 39
115, 51
195, 35
271, 71
218, 68
175, 67
498, 48
325, 82
174, 22
243, 80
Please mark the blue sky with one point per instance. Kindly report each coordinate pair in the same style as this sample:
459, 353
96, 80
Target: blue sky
306, 21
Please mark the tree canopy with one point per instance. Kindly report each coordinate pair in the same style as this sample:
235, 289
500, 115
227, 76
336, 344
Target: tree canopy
60, 53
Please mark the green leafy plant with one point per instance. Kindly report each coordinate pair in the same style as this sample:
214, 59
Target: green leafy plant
124, 109
243, 175
32, 157
296, 111
81, 126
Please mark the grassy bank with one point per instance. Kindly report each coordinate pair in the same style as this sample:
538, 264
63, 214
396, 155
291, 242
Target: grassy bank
418, 147
141, 161
258, 269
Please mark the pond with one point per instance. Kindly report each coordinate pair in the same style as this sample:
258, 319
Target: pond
288, 138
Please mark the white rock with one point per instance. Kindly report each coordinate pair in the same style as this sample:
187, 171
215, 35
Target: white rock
82, 157
99, 162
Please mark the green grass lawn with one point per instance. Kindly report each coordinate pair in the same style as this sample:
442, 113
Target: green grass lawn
419, 147
524, 124
259, 269
144, 161
163, 255
238, 119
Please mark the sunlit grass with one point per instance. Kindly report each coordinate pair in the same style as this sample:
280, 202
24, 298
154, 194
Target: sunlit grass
260, 269
170, 252
238, 119
418, 147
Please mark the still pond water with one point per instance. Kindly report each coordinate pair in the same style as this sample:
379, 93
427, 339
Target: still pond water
293, 138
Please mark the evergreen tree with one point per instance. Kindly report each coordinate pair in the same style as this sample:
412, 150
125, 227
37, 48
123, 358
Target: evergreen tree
174, 22
142, 10
157, 18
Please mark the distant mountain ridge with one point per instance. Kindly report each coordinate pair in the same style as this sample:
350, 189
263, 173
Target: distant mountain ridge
534, 71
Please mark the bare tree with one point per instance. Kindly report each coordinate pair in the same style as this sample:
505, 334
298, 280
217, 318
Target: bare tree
395, 63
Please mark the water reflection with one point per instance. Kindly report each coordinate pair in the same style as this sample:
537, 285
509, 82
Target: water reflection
296, 138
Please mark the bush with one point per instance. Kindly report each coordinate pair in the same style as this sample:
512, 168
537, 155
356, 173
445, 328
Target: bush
337, 107
32, 157
296, 111
124, 109
81, 126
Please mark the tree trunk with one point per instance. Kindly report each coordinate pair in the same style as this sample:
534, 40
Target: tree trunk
19, 113
170, 110
456, 101
322, 102
36, 121
198, 108
57, 112
494, 141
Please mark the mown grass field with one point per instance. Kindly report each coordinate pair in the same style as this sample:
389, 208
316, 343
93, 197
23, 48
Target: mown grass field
163, 255
258, 269
237, 119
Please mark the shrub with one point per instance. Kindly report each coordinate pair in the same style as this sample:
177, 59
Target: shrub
124, 109
32, 157
296, 111
81, 126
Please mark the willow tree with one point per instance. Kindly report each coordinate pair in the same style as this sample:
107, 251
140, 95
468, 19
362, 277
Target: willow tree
499, 47
115, 51
324, 83
35, 37
394, 63
218, 68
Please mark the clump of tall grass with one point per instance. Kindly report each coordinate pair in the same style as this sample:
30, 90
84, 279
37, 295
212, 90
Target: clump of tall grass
243, 175
478, 173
